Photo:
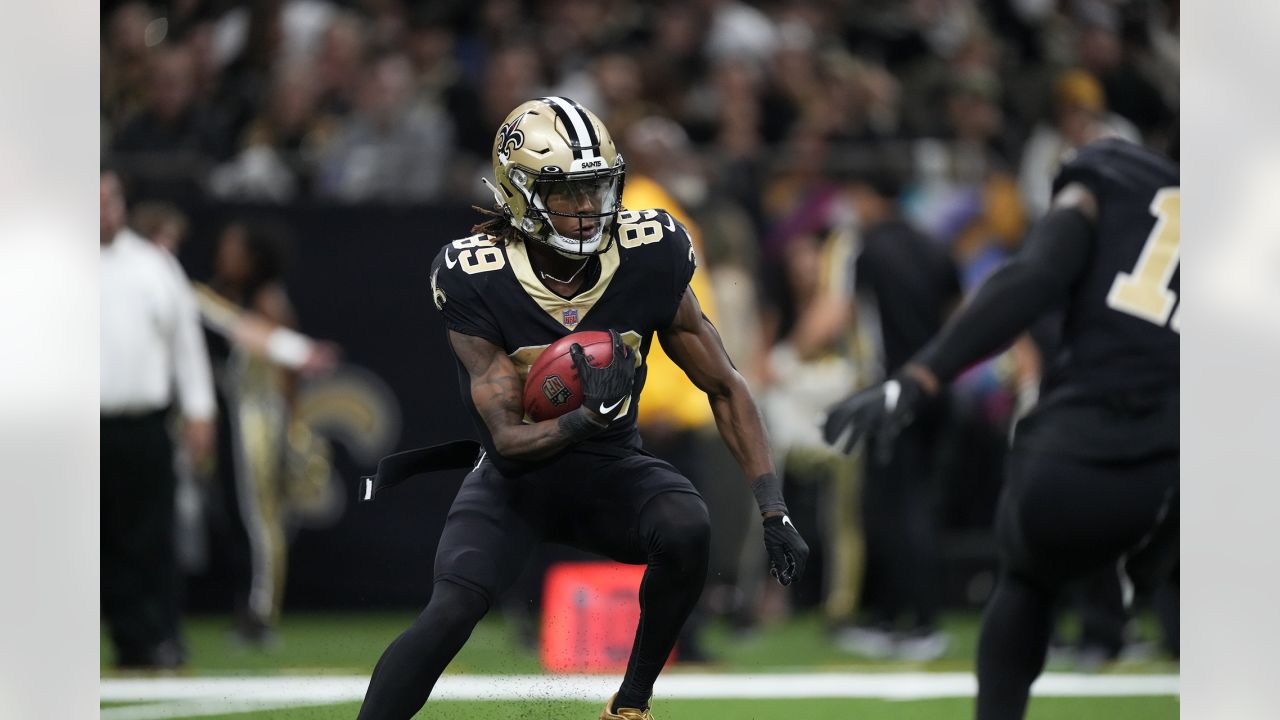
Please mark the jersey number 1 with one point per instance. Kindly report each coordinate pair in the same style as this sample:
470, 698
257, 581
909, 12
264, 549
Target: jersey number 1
1144, 291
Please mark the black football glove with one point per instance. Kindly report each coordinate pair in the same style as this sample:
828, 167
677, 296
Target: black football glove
605, 389
787, 551
880, 413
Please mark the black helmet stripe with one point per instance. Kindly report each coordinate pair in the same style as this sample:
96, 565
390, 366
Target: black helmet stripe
586, 120
576, 122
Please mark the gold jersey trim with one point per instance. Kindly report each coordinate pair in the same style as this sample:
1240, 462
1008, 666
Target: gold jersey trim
571, 312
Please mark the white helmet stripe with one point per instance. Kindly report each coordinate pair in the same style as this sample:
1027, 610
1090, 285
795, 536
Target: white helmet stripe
577, 121
593, 138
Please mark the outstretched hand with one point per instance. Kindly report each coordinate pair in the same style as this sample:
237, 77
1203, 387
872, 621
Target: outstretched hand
879, 413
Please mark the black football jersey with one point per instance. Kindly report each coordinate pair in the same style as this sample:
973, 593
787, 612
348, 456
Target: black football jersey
1120, 332
491, 291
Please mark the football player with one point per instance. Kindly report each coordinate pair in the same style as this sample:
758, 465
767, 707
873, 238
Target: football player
559, 255
1092, 476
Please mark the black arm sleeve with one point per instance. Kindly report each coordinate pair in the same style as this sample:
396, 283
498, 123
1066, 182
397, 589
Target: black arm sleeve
1053, 256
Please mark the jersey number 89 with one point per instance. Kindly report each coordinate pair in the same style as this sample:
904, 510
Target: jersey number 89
477, 254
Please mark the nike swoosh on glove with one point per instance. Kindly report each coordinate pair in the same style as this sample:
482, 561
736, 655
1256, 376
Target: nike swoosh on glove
788, 552
604, 388
879, 413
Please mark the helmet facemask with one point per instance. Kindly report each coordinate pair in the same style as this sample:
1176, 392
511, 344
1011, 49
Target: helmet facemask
584, 206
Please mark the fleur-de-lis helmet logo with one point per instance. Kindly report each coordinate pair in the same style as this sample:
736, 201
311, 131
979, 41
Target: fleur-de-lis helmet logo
510, 137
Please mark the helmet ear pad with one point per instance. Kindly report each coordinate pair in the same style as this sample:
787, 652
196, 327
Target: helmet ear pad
554, 139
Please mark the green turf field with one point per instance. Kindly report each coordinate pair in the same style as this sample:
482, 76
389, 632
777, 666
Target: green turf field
335, 643
347, 646
1165, 708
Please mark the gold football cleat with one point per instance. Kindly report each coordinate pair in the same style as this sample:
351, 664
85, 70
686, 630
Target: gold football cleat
623, 713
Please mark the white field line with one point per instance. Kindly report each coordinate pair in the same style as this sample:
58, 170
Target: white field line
195, 708
890, 686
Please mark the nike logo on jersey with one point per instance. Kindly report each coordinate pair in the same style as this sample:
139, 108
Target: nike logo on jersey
606, 409
786, 520
449, 261
671, 223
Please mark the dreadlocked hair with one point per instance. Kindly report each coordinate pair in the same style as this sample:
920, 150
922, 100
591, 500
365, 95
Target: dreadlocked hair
495, 224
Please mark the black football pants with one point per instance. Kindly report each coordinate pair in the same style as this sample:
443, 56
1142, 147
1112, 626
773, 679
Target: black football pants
1060, 518
489, 534
901, 531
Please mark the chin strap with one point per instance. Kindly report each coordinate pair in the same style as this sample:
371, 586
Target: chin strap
570, 256
497, 196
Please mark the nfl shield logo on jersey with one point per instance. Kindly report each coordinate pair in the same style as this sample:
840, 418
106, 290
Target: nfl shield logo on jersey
553, 387
570, 318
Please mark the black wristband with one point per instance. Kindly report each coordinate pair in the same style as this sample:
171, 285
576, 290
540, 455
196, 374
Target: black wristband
579, 425
768, 491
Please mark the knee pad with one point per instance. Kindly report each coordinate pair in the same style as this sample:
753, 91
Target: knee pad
454, 604
677, 524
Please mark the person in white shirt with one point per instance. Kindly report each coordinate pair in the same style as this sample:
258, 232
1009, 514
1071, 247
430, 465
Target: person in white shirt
152, 349
1080, 105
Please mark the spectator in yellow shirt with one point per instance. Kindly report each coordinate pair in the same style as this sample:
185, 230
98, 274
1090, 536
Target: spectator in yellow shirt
675, 419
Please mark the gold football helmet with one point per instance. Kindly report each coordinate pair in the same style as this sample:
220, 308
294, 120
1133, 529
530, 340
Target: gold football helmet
553, 147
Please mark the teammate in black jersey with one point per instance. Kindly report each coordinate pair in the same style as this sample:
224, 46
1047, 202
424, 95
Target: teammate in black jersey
1092, 477
560, 255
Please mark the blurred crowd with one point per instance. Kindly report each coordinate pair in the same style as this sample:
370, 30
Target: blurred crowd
785, 132
389, 100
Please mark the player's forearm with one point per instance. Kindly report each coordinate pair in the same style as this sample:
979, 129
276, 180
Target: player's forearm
820, 325
539, 441
497, 395
1013, 297
496, 390
742, 428
191, 366
1002, 308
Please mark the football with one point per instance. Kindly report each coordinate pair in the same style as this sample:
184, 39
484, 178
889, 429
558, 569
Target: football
553, 387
